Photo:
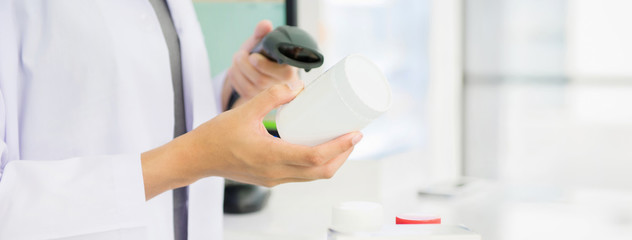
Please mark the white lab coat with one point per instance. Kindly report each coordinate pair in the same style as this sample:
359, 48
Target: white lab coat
85, 88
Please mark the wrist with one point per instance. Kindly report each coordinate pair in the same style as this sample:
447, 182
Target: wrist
164, 169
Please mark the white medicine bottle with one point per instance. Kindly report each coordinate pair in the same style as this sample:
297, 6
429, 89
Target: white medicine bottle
345, 98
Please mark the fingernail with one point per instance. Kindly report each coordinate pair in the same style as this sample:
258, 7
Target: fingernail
295, 85
356, 139
253, 59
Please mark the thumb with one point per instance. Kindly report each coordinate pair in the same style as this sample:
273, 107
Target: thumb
261, 30
271, 98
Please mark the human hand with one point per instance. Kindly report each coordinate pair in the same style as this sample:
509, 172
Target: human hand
250, 74
236, 145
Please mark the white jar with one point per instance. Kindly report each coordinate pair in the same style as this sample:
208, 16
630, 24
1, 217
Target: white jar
346, 98
356, 217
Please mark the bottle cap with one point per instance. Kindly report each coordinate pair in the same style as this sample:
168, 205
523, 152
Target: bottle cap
357, 216
416, 218
362, 86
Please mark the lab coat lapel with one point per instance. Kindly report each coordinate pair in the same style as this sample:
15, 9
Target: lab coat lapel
206, 195
199, 101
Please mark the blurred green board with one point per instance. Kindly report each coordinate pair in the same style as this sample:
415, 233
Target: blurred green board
226, 25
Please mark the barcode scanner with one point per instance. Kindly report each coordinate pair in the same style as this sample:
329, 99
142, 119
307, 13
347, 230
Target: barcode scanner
292, 46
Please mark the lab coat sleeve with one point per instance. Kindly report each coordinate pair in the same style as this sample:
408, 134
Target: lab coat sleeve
87, 198
90, 197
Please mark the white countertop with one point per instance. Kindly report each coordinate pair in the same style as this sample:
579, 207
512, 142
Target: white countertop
303, 210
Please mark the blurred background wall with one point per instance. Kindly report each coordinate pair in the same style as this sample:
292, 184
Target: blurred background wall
548, 92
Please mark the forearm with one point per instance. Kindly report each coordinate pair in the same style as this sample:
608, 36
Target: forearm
165, 168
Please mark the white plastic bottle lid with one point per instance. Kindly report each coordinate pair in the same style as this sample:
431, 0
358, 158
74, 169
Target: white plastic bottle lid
363, 86
357, 216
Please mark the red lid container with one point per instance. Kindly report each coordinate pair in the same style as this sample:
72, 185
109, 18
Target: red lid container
417, 219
